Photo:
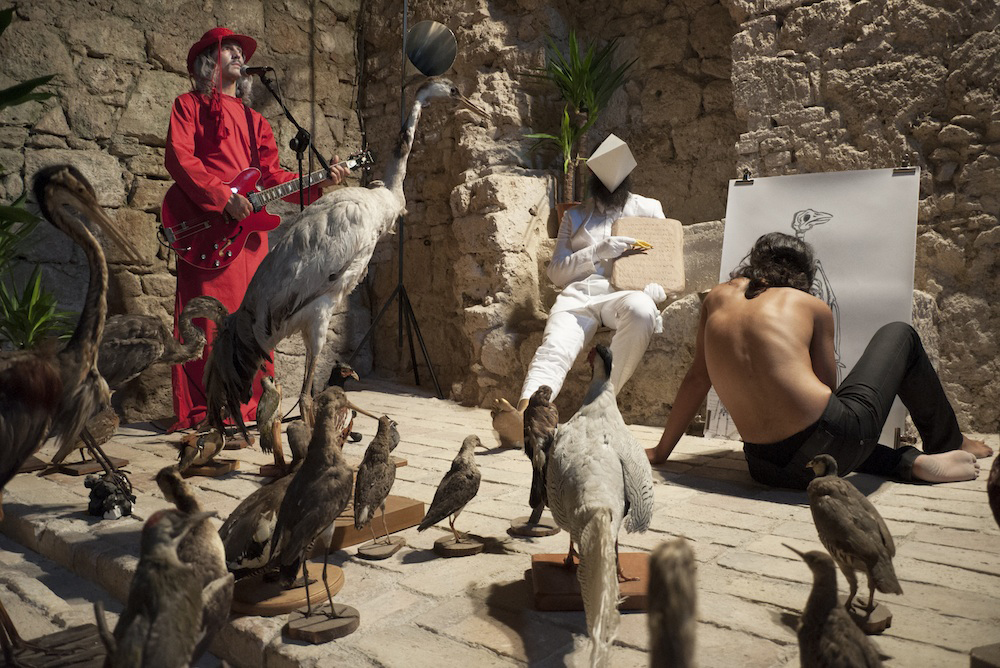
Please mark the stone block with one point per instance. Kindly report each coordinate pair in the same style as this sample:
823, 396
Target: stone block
101, 169
147, 113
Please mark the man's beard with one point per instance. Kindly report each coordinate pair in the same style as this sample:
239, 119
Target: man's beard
608, 199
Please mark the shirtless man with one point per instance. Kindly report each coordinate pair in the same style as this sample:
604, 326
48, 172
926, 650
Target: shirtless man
766, 345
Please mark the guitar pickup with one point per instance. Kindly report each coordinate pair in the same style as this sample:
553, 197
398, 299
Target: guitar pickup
168, 234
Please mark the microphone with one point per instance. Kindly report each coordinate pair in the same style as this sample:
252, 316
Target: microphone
249, 71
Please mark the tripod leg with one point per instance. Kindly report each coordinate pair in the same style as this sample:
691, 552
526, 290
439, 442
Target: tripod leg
423, 347
371, 328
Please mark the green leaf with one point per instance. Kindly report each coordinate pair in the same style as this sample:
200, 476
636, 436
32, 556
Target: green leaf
22, 92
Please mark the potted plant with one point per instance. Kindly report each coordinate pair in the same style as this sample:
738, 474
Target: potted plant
586, 79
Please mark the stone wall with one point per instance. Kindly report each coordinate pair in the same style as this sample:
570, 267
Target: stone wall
775, 87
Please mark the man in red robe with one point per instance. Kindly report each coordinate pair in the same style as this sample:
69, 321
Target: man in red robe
211, 139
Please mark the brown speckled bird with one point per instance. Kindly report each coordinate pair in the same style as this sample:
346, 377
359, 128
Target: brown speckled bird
672, 604
541, 418
459, 486
196, 449
993, 489
247, 532
269, 420
202, 549
318, 493
375, 476
851, 530
828, 637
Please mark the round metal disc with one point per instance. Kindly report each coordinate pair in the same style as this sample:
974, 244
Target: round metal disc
431, 47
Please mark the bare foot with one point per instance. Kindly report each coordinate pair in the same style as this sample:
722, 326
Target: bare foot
978, 448
952, 466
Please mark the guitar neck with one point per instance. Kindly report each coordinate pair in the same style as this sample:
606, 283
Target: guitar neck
262, 197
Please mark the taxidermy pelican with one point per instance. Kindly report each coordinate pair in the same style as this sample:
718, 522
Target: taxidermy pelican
597, 478
47, 391
319, 261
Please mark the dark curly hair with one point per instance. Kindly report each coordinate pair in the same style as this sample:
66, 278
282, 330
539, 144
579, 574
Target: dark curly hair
777, 260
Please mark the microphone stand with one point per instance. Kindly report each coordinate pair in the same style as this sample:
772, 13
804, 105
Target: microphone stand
300, 143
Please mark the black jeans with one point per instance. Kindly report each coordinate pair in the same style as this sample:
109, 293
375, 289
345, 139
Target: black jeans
894, 363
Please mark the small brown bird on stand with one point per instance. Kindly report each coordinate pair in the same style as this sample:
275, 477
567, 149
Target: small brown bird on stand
673, 597
541, 418
318, 493
247, 532
857, 538
202, 549
161, 623
459, 486
199, 450
372, 484
827, 636
269, 424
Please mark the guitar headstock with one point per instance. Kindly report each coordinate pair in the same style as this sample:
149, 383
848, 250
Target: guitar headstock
359, 160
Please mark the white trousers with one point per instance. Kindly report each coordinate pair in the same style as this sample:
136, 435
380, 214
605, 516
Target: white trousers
632, 314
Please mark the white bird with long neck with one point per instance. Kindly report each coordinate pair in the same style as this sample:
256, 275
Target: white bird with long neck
320, 260
598, 478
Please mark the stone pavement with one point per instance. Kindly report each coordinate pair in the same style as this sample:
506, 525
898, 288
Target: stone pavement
420, 610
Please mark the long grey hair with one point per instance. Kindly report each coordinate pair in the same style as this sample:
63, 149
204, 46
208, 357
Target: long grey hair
206, 75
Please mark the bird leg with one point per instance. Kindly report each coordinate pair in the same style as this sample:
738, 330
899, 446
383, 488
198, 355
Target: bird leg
279, 455
618, 565
852, 580
871, 597
385, 526
451, 523
536, 514
305, 396
305, 579
116, 477
568, 561
326, 583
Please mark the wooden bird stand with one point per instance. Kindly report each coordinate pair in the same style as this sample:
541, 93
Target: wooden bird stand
378, 550
523, 526
872, 623
321, 626
32, 464
89, 466
79, 646
255, 596
212, 469
238, 442
447, 546
400, 513
557, 588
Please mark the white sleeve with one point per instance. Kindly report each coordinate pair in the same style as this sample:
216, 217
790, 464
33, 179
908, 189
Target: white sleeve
567, 266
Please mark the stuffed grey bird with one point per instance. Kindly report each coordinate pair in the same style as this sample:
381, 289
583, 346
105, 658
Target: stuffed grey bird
318, 493
375, 476
828, 638
459, 486
851, 530
247, 532
541, 418
202, 549
672, 604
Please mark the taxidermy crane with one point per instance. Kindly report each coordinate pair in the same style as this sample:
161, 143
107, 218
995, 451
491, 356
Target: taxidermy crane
318, 262
47, 391
133, 343
598, 478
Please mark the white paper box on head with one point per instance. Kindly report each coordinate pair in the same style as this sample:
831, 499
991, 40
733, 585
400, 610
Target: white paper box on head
612, 162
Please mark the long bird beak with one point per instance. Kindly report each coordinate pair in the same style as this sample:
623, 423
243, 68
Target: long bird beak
108, 227
471, 106
362, 411
794, 550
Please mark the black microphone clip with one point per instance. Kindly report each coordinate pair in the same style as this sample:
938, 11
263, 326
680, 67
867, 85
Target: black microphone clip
250, 71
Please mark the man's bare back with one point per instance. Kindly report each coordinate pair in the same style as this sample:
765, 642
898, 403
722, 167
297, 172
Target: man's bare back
770, 358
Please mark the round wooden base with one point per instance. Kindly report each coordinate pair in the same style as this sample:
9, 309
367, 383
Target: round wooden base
522, 526
874, 622
254, 596
447, 546
375, 551
321, 626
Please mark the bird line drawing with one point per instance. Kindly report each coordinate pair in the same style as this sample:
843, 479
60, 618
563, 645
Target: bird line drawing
803, 221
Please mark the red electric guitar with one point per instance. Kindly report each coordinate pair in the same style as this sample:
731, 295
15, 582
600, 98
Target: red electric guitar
213, 240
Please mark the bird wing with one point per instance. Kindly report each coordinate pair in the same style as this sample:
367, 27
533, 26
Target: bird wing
301, 519
30, 389
846, 521
371, 487
241, 532
459, 486
129, 346
843, 643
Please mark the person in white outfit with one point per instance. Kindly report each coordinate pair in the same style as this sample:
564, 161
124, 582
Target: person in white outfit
581, 264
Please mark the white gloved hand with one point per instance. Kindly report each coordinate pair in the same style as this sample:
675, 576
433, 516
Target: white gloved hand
612, 247
655, 292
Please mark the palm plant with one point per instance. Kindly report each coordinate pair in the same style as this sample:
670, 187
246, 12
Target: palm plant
586, 80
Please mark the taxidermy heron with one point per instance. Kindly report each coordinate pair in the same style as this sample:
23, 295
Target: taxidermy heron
133, 343
598, 478
309, 272
48, 391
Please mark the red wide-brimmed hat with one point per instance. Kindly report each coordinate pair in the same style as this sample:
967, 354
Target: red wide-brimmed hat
215, 36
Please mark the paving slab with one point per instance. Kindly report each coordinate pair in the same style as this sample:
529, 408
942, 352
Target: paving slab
418, 609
